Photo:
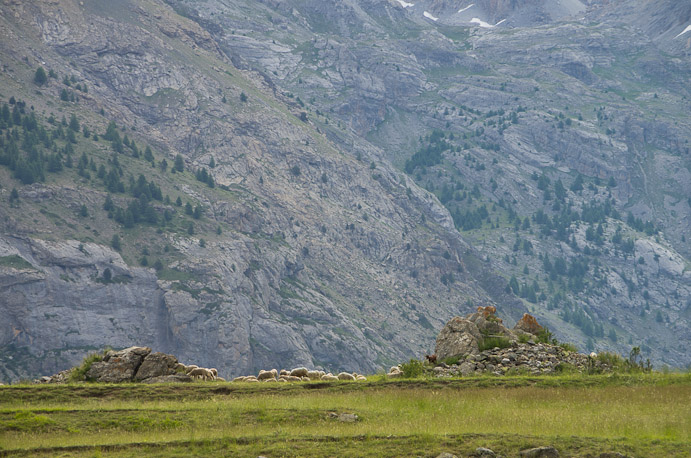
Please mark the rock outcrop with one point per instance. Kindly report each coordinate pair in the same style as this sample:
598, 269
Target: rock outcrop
119, 366
528, 324
136, 364
462, 336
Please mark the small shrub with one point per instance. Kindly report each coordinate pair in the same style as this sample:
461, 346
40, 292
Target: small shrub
523, 338
451, 360
487, 343
569, 347
78, 374
545, 336
412, 369
611, 359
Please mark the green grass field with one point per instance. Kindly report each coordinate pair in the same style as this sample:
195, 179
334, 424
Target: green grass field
647, 415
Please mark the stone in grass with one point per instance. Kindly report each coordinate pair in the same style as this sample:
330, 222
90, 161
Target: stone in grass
446, 455
344, 417
482, 452
540, 452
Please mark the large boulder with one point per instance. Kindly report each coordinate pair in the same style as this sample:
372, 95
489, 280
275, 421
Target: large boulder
490, 325
118, 366
459, 337
528, 324
156, 365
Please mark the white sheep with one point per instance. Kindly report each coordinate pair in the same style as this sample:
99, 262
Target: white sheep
239, 379
201, 373
346, 376
329, 377
265, 375
299, 372
313, 375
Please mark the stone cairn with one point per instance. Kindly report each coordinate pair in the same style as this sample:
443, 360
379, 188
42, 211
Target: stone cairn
460, 341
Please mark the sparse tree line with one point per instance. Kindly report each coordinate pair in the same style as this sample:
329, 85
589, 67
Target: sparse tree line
32, 149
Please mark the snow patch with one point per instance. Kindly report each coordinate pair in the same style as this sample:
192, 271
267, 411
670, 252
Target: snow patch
466, 8
429, 16
484, 24
405, 4
687, 29
481, 23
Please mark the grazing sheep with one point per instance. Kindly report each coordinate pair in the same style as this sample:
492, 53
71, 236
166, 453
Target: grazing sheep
394, 372
313, 375
299, 372
329, 377
284, 372
593, 355
220, 379
265, 375
191, 367
214, 371
179, 367
305, 379
346, 376
361, 378
268, 380
239, 379
201, 373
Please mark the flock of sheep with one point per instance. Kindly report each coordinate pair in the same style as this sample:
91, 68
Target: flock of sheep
198, 373
300, 374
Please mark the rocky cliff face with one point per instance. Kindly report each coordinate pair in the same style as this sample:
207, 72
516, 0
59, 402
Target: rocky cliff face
314, 253
319, 249
587, 100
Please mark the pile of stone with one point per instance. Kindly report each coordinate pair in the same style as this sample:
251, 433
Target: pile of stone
299, 374
137, 364
461, 337
529, 358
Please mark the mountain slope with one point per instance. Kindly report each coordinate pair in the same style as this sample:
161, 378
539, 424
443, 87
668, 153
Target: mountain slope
565, 142
303, 252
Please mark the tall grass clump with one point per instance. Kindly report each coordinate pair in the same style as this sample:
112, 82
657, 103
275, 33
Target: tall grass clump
489, 342
412, 369
78, 373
